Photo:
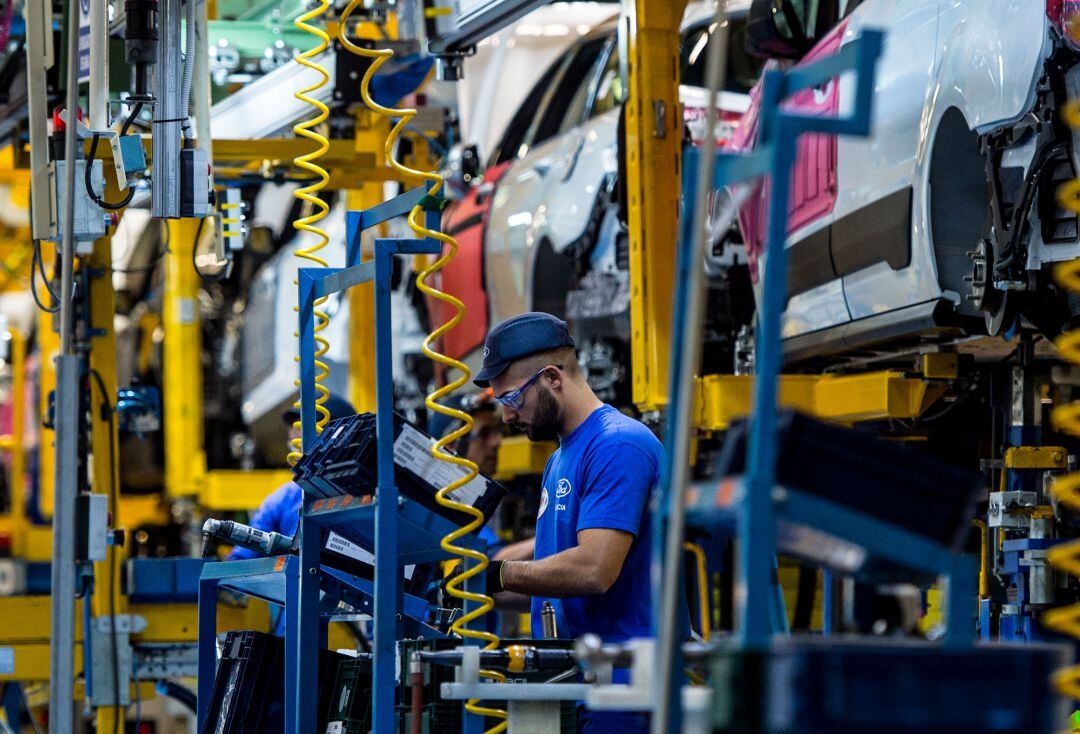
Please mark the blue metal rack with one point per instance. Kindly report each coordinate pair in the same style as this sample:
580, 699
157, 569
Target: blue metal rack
384, 516
400, 531
774, 155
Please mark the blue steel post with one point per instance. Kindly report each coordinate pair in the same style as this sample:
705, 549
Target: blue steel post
306, 303
665, 626
302, 630
387, 600
303, 678
207, 647
961, 603
756, 527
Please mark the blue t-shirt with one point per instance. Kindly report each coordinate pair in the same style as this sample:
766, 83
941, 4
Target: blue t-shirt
602, 476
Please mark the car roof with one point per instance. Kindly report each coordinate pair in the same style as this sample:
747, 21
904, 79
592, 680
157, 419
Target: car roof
696, 13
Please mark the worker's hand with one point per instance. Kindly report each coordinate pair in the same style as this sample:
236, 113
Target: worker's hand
492, 579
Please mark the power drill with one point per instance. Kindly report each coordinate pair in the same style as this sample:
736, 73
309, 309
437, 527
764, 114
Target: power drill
245, 536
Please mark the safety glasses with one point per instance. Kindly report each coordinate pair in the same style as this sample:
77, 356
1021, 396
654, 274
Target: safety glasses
515, 399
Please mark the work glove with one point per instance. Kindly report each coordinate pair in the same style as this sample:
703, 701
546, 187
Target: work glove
492, 579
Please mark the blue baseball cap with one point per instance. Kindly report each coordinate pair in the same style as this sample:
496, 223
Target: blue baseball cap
338, 406
517, 337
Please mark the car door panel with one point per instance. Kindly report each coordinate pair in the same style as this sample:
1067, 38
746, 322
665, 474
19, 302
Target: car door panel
816, 298
570, 203
530, 206
877, 176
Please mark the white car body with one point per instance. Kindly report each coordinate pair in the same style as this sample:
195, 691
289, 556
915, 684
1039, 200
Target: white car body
982, 60
549, 196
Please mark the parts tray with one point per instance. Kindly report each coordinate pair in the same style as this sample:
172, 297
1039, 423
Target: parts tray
344, 461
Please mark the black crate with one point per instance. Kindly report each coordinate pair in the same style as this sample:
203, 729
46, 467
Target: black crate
249, 686
348, 708
896, 484
344, 462
873, 686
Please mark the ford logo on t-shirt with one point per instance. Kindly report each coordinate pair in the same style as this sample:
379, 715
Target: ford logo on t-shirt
563, 488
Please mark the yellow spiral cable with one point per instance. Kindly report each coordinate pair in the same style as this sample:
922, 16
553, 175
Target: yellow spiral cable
308, 223
484, 604
1065, 557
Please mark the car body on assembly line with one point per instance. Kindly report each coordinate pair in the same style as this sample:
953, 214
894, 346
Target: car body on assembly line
542, 229
944, 221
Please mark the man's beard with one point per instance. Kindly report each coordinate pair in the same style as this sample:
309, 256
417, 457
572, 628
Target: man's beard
545, 424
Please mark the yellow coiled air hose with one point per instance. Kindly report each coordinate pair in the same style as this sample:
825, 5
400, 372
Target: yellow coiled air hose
454, 588
1065, 557
318, 209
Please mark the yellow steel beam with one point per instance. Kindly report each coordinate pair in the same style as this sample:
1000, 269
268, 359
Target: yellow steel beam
229, 489
32, 662
518, 455
185, 460
1037, 457
10, 174
37, 543
27, 632
653, 145
143, 509
27, 619
722, 399
370, 132
12, 444
108, 598
348, 162
48, 349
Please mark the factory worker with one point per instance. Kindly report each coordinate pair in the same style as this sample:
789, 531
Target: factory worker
591, 554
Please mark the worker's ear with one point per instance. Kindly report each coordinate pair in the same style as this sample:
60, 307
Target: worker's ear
554, 377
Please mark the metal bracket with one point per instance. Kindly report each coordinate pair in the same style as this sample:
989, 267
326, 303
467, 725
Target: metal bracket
162, 662
83, 132
109, 649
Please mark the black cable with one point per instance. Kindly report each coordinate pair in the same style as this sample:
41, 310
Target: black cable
33, 283
131, 118
90, 184
181, 694
90, 164
45, 276
114, 500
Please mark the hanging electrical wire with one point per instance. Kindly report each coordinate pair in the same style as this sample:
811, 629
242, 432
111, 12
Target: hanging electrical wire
308, 223
479, 561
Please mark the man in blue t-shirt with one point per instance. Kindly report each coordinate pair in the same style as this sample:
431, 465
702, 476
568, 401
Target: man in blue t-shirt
591, 554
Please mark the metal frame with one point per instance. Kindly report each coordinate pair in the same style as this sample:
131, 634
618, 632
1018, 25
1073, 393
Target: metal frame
315, 283
756, 522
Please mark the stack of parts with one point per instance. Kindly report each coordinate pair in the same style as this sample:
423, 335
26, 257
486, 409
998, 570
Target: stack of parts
344, 462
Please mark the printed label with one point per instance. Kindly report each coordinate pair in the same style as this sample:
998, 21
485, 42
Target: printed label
335, 727
344, 546
412, 450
